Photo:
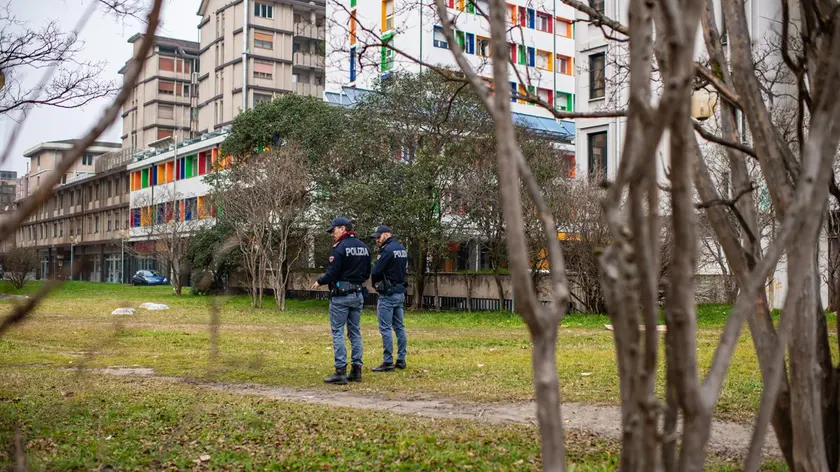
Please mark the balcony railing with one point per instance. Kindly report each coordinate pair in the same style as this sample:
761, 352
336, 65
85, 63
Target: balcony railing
308, 30
309, 89
113, 159
309, 60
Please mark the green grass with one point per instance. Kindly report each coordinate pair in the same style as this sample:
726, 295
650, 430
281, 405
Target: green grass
476, 356
72, 421
471, 356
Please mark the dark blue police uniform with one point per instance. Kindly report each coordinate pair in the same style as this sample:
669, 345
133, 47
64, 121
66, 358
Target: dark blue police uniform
349, 267
389, 277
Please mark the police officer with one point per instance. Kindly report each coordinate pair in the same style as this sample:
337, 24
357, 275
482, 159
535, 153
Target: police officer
388, 277
348, 269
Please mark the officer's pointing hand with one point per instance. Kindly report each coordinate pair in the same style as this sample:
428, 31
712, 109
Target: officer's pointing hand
315, 286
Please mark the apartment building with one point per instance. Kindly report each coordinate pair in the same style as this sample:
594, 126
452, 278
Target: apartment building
85, 220
602, 78
44, 157
253, 50
169, 188
164, 100
541, 41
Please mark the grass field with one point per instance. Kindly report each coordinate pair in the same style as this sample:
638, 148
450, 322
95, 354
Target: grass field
468, 356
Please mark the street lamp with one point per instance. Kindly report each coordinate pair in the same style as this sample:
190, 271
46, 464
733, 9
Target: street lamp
124, 234
74, 239
703, 104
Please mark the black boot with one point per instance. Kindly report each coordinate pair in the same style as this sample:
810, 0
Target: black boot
400, 365
384, 367
355, 373
339, 377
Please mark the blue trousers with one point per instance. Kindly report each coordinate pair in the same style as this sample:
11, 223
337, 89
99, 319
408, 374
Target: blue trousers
346, 310
390, 310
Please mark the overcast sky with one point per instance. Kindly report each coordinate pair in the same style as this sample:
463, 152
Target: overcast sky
105, 39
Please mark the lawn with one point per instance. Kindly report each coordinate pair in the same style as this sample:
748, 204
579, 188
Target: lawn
461, 356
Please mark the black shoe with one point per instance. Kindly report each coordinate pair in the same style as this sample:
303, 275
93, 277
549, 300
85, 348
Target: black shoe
400, 365
355, 373
339, 377
384, 367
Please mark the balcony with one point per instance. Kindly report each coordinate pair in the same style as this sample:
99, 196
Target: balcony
309, 89
308, 30
305, 59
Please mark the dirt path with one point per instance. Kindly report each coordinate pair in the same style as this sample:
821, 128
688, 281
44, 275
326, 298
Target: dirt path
728, 439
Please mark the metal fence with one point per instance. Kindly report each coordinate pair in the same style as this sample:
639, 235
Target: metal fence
446, 303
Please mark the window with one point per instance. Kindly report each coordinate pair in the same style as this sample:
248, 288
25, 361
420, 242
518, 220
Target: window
565, 101
470, 43
353, 27
96, 225
510, 15
387, 53
544, 60
546, 96
544, 22
166, 64
185, 90
597, 5
263, 40
263, 70
352, 64
532, 17
87, 159
532, 53
564, 28
564, 64
164, 133
597, 150
261, 97
522, 16
38, 159
223, 25
522, 59
166, 87
440, 39
387, 15
166, 112
55, 230
482, 46
108, 224
262, 10
597, 76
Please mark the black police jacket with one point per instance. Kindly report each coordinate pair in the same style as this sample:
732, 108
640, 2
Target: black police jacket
391, 264
349, 261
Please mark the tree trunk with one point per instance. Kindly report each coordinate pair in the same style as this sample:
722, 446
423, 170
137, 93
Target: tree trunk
468, 282
547, 394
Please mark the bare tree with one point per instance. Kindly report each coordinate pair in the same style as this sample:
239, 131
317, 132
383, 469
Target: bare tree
265, 198
22, 49
169, 220
20, 264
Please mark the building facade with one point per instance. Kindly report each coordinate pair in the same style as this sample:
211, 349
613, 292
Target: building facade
541, 41
86, 222
44, 157
602, 84
163, 102
168, 190
8, 190
251, 51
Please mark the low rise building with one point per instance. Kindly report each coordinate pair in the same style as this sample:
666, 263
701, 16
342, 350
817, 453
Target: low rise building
84, 224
